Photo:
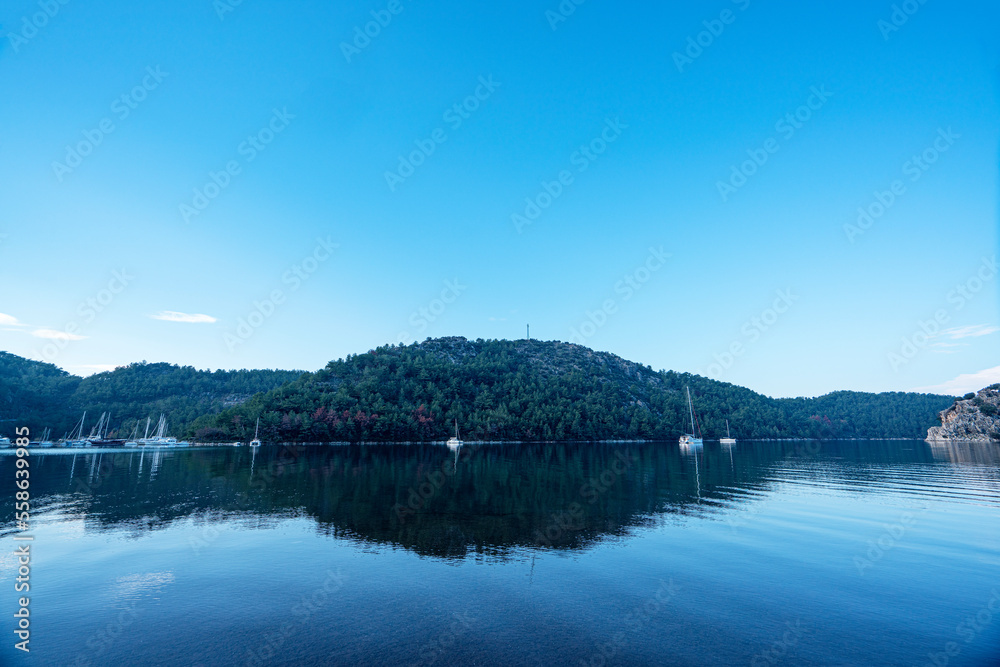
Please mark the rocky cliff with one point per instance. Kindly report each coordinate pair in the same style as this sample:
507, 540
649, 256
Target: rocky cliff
974, 417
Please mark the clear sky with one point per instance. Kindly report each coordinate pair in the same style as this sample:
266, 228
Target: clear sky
679, 184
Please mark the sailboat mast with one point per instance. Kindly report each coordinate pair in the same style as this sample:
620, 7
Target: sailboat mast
691, 409
145, 436
727, 429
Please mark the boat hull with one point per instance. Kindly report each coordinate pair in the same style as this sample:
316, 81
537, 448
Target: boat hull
107, 443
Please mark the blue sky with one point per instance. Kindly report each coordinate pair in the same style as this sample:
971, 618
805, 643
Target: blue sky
253, 183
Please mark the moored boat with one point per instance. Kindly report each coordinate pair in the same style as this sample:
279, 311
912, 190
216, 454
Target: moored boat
728, 440
99, 434
691, 439
160, 438
75, 439
455, 442
45, 442
256, 441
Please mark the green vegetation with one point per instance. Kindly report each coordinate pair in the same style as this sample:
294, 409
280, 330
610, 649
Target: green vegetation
535, 390
33, 393
41, 395
497, 390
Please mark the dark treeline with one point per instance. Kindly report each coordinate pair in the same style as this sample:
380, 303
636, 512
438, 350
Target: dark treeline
540, 391
497, 390
41, 395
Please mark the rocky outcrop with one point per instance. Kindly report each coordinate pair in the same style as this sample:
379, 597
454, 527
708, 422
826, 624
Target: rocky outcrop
974, 417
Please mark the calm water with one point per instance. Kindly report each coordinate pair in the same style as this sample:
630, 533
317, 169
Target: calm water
848, 553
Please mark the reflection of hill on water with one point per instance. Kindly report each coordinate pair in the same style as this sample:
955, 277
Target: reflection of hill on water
486, 499
980, 453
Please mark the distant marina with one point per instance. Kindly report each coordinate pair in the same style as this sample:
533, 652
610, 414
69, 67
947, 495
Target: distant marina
98, 436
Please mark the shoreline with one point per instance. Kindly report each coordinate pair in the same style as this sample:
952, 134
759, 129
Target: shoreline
442, 443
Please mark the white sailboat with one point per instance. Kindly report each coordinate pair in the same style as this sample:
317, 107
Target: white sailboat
691, 439
728, 440
45, 442
455, 443
135, 442
132, 441
160, 438
76, 438
99, 434
256, 441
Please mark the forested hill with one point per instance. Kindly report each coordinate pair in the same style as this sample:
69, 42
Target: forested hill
41, 395
537, 390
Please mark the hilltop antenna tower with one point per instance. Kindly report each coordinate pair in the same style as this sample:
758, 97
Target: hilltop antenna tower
529, 332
